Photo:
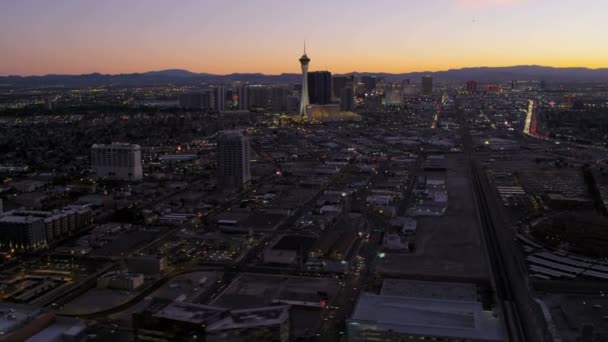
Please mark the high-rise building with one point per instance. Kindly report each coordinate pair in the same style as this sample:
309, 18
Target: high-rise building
369, 82
203, 99
471, 86
220, 98
319, 87
233, 161
340, 83
259, 96
304, 100
347, 99
243, 98
293, 104
393, 94
410, 91
427, 85
278, 99
121, 161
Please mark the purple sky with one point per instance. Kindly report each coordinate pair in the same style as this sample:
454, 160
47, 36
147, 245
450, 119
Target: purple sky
112, 36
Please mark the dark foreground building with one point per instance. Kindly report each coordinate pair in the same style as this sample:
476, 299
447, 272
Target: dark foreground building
177, 321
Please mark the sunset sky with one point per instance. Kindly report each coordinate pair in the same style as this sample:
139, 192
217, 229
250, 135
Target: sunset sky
220, 36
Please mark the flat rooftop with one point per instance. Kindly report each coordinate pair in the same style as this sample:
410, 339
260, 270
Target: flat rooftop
19, 219
13, 316
188, 312
251, 290
295, 243
429, 290
61, 327
427, 317
239, 319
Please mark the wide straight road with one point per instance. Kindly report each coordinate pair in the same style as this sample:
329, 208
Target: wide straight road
520, 314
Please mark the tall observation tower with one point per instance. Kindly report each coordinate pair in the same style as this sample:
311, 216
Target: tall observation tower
304, 60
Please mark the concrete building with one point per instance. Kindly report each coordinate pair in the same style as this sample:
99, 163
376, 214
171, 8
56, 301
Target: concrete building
202, 99
304, 100
278, 99
220, 98
333, 245
146, 264
22, 227
258, 96
341, 82
121, 161
253, 290
243, 98
427, 85
393, 242
29, 323
120, 280
319, 87
258, 324
22, 231
396, 318
288, 249
347, 99
369, 83
233, 160
293, 104
165, 321
393, 96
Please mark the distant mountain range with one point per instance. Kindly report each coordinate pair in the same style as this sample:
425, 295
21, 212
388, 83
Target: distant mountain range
183, 77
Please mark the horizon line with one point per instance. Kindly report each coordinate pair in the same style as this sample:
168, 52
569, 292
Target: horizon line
296, 73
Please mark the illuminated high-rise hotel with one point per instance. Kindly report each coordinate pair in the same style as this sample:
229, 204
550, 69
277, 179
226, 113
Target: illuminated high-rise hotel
304, 60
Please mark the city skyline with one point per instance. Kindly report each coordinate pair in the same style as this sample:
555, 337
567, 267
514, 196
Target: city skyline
67, 37
320, 170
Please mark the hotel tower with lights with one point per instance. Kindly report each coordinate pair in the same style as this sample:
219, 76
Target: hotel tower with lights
304, 60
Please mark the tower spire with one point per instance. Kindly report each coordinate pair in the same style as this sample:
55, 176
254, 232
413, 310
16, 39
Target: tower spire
304, 101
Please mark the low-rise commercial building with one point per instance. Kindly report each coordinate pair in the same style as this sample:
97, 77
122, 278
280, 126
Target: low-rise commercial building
288, 249
146, 264
423, 310
165, 321
121, 280
29, 323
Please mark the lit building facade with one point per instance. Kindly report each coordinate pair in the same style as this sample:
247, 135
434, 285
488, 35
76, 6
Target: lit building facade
304, 100
120, 161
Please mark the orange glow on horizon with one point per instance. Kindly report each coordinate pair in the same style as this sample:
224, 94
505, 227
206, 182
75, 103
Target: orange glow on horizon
379, 65
75, 37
